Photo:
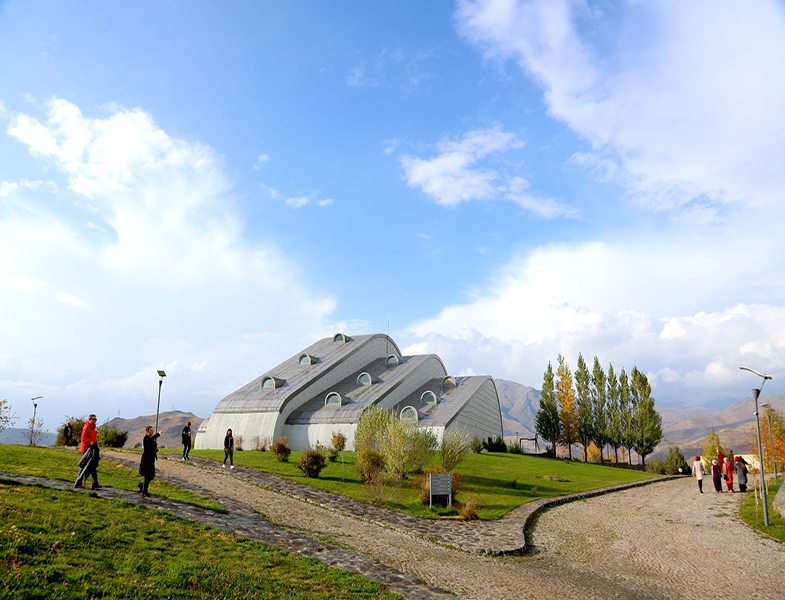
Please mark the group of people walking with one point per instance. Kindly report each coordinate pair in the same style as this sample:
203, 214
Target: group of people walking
719, 471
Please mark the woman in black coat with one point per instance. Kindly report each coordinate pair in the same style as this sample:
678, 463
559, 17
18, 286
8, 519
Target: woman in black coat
147, 464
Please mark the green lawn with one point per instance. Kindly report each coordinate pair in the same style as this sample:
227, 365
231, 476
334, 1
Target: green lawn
61, 464
753, 516
501, 482
58, 544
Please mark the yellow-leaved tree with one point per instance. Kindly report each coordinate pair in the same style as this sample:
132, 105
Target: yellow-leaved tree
568, 411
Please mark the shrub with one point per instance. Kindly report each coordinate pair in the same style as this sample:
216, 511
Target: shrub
406, 448
381, 489
338, 441
495, 445
280, 449
259, 443
656, 466
77, 423
674, 461
110, 436
332, 454
7, 418
311, 462
370, 464
468, 510
371, 428
238, 443
514, 448
476, 445
453, 449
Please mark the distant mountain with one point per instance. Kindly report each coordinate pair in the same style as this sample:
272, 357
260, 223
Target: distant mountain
170, 422
16, 435
519, 404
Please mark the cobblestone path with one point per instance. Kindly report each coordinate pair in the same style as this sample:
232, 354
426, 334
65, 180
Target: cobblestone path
657, 541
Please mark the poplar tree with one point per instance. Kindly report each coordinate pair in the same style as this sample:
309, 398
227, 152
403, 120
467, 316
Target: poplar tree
625, 409
614, 413
565, 393
583, 399
599, 409
648, 422
547, 422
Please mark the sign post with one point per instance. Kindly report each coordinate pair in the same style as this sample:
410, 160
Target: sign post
441, 485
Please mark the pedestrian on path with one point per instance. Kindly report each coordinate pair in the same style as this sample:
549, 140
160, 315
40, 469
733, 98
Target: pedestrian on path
90, 456
698, 472
228, 449
186, 435
741, 473
727, 470
716, 475
147, 464
68, 433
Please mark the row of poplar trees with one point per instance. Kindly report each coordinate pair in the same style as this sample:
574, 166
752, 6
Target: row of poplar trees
597, 407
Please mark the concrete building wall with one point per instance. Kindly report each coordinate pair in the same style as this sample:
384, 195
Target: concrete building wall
482, 414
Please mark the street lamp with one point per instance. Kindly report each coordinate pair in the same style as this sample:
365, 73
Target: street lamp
161, 376
767, 406
755, 394
32, 424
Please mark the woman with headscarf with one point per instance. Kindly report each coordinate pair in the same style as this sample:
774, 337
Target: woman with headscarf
698, 472
716, 475
727, 473
741, 473
147, 464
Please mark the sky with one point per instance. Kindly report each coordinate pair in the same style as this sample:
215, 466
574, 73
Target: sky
210, 187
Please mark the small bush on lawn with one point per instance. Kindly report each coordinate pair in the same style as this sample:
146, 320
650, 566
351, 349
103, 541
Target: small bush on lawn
338, 441
238, 443
656, 466
370, 464
280, 449
674, 461
111, 437
259, 443
496, 445
468, 510
311, 462
476, 445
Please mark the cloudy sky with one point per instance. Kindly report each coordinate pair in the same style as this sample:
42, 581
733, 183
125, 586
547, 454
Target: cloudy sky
209, 187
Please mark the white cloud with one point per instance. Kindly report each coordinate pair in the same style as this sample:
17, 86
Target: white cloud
298, 201
263, 158
176, 282
681, 104
326, 202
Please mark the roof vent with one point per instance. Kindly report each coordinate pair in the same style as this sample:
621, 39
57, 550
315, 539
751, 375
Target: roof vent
333, 399
364, 379
340, 338
271, 383
306, 359
429, 397
449, 382
409, 413
393, 361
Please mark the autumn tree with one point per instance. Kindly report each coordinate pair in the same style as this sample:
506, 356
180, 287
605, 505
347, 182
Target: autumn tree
774, 433
711, 450
599, 406
547, 422
7, 418
568, 413
613, 414
583, 401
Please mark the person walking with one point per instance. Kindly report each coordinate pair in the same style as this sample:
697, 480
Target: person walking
228, 449
186, 438
698, 472
727, 473
68, 433
147, 464
741, 473
90, 456
716, 475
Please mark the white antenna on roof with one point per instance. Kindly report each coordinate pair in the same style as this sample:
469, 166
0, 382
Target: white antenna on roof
388, 336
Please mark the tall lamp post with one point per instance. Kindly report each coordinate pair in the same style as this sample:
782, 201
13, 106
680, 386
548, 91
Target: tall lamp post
32, 424
161, 376
767, 406
755, 395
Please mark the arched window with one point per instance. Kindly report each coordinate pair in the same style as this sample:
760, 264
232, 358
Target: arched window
333, 399
409, 413
393, 361
428, 398
340, 338
364, 379
307, 359
449, 382
268, 383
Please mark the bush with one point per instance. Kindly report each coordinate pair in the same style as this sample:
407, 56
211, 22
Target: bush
674, 461
332, 454
338, 442
311, 462
453, 449
238, 443
406, 448
77, 423
476, 445
496, 445
468, 510
259, 443
280, 449
513, 448
656, 466
110, 437
371, 428
370, 464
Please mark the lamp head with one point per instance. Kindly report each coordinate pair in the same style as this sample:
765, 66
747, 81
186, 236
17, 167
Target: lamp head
161, 374
755, 394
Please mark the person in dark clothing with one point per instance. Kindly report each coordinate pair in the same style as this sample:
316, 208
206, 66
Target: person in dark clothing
186, 440
68, 433
90, 457
228, 449
147, 464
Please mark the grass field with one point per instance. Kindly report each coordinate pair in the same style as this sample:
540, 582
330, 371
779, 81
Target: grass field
59, 544
499, 482
753, 516
61, 465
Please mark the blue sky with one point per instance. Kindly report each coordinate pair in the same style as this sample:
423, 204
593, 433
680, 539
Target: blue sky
210, 187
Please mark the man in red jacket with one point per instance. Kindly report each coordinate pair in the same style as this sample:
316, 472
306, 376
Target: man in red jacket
89, 449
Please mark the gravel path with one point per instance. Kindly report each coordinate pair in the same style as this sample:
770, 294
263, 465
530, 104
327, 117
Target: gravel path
651, 542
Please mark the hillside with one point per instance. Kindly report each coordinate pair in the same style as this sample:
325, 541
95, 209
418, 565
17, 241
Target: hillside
170, 422
519, 404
